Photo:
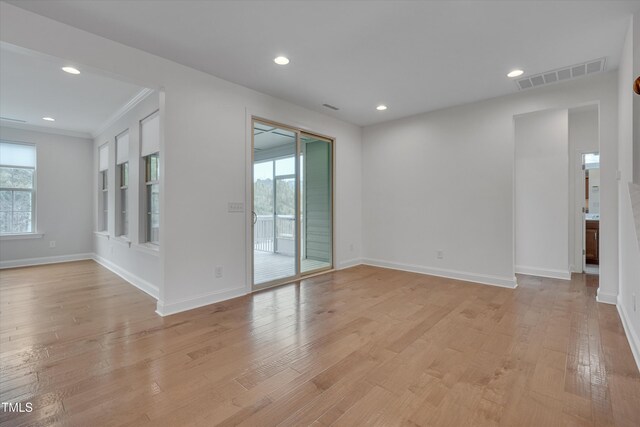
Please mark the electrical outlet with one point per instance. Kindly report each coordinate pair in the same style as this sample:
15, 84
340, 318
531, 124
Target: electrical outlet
217, 272
52, 243
440, 253
351, 247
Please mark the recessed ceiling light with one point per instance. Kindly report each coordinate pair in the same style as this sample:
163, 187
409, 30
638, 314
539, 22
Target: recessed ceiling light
381, 107
281, 60
49, 119
515, 73
70, 70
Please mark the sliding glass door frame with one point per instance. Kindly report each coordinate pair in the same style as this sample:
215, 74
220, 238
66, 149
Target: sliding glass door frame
298, 203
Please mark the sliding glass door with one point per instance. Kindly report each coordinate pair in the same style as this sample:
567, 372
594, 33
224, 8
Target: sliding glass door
292, 204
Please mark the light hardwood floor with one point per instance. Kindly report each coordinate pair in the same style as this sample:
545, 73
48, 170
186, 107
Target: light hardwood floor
355, 347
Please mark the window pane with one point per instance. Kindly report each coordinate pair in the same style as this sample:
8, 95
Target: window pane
155, 228
21, 222
124, 218
286, 166
154, 204
5, 178
16, 178
124, 179
6, 201
153, 213
22, 178
5, 222
22, 201
153, 167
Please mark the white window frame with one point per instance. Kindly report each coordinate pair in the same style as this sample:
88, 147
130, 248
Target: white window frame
32, 190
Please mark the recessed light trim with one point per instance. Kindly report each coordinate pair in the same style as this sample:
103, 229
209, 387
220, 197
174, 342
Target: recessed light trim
49, 119
515, 73
281, 60
71, 70
381, 107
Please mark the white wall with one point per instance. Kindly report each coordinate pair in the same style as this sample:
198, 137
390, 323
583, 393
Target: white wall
131, 258
63, 200
583, 138
541, 194
629, 250
205, 152
444, 180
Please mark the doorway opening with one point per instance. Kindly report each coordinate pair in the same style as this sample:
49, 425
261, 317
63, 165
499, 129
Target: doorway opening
292, 203
591, 210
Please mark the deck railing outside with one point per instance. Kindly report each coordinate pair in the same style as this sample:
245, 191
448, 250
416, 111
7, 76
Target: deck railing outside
265, 235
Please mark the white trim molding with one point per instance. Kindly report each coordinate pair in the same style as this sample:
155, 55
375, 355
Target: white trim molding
349, 263
136, 281
26, 262
168, 308
606, 298
44, 129
122, 111
632, 336
541, 272
21, 236
484, 279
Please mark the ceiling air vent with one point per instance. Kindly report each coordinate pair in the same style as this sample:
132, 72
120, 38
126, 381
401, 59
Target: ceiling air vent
562, 74
330, 106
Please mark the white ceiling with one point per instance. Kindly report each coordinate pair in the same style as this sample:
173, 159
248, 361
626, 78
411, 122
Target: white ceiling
414, 56
33, 86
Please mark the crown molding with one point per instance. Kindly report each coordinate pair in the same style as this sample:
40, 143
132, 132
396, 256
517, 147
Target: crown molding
122, 111
44, 129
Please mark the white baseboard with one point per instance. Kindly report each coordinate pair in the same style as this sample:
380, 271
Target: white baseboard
606, 298
26, 262
349, 263
540, 272
504, 282
166, 309
632, 336
136, 281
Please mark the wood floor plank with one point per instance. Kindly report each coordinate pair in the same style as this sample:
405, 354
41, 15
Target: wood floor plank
361, 346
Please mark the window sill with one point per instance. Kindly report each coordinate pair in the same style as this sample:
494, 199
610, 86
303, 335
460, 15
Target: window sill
148, 248
102, 234
21, 236
123, 241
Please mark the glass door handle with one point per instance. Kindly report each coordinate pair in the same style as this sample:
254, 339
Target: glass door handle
255, 217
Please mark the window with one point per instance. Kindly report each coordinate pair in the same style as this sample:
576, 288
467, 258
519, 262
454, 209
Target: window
103, 188
150, 153
104, 200
17, 187
124, 191
122, 203
152, 183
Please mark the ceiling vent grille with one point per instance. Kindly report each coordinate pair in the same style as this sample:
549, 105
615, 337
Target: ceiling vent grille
330, 107
562, 74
